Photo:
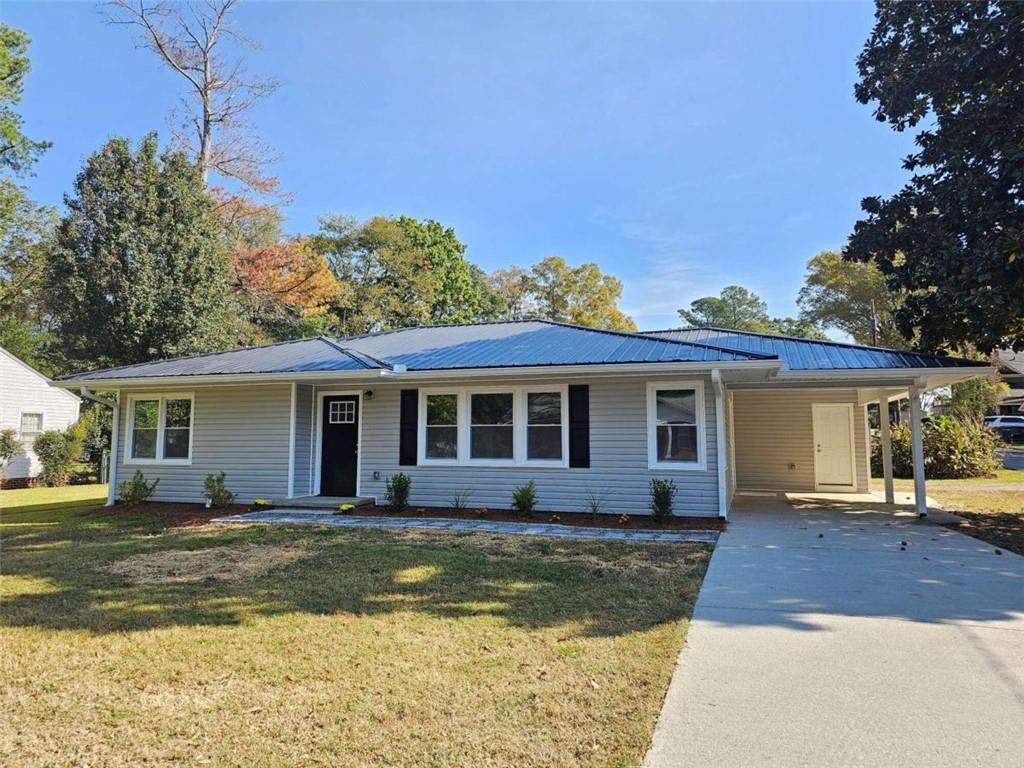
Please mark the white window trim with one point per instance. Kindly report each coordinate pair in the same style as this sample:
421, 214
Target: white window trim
129, 431
519, 427
652, 432
42, 423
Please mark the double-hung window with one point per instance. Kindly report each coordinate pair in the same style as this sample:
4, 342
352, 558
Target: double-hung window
442, 427
492, 426
31, 425
675, 425
159, 429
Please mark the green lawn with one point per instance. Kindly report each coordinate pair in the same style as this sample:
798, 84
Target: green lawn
124, 643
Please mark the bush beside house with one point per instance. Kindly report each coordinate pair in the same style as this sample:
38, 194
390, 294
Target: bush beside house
953, 448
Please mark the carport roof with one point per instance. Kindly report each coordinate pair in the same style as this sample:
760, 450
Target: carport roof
812, 355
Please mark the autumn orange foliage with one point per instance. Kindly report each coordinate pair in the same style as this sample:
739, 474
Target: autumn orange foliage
289, 274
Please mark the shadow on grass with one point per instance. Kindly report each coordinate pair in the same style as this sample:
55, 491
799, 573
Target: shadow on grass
54, 561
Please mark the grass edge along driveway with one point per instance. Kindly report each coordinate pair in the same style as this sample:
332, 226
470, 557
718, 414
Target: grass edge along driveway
124, 643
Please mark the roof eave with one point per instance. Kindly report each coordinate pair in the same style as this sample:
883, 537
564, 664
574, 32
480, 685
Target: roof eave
581, 369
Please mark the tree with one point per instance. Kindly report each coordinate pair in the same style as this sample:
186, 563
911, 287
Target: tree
845, 295
284, 290
384, 279
191, 39
740, 309
514, 287
398, 272
736, 308
456, 294
952, 238
246, 223
17, 152
137, 273
798, 327
581, 295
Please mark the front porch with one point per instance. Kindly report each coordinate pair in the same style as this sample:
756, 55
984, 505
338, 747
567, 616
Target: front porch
325, 503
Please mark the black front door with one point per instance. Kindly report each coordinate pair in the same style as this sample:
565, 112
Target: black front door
340, 447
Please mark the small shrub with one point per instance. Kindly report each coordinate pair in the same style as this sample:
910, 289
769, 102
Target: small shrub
9, 447
136, 490
216, 491
623, 519
524, 498
663, 498
344, 509
58, 452
460, 502
954, 448
594, 502
397, 492
260, 503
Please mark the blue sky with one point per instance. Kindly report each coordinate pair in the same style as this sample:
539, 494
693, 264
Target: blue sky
683, 147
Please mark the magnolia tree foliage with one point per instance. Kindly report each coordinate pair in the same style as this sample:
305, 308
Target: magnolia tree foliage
136, 273
951, 241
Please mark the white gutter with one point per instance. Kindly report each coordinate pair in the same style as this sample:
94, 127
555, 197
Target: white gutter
88, 394
607, 369
904, 374
723, 461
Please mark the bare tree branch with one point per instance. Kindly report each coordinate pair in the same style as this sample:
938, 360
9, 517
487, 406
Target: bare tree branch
188, 37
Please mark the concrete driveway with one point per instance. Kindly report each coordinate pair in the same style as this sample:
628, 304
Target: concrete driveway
818, 640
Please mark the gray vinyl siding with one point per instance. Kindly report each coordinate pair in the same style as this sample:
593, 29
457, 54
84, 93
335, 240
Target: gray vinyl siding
303, 439
240, 430
775, 429
618, 455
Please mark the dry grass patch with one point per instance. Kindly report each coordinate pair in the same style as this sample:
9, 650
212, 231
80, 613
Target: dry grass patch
234, 564
393, 648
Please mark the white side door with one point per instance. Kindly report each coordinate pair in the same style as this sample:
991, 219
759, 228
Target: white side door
833, 446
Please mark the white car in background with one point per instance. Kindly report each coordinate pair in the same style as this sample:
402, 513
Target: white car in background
1009, 428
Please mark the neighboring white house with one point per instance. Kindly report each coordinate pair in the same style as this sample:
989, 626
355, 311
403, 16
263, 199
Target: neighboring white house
29, 405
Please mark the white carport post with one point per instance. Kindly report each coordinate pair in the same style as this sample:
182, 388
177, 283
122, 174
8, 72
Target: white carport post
917, 451
886, 439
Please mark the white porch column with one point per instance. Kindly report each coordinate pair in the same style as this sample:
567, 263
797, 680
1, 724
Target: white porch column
720, 446
886, 439
917, 450
115, 443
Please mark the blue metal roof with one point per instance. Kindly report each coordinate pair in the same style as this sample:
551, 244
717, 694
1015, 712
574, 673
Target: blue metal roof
285, 357
439, 347
811, 355
529, 343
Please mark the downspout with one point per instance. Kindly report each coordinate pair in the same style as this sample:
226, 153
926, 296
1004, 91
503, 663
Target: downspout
115, 439
723, 459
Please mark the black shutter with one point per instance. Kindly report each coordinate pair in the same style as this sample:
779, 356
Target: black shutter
408, 427
579, 425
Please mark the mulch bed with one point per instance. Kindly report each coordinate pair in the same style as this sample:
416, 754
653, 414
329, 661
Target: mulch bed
184, 515
580, 519
177, 514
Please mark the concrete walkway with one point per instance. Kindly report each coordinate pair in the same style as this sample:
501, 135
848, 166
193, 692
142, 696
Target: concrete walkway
314, 517
820, 639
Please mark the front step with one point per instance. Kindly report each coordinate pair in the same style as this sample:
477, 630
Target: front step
321, 502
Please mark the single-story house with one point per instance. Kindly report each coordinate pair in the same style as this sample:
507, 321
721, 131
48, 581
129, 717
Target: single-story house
484, 408
29, 405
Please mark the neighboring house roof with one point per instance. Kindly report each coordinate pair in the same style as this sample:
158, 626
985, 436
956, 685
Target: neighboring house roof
1010, 362
44, 379
439, 347
810, 355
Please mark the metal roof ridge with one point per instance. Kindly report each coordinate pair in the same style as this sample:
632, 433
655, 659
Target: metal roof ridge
643, 335
356, 355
